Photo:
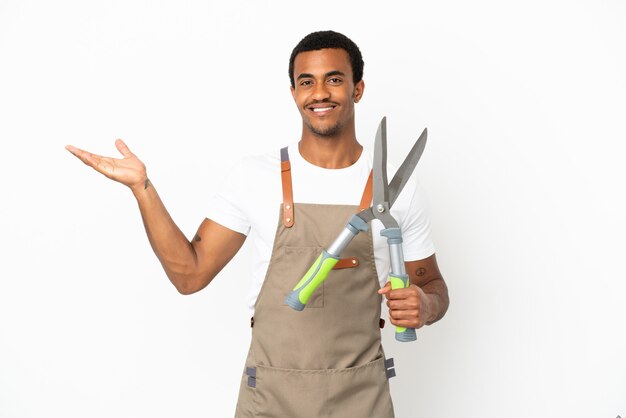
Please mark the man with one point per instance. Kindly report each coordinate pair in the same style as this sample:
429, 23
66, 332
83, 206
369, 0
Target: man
326, 360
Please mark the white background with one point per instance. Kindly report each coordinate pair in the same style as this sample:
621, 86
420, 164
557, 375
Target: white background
525, 103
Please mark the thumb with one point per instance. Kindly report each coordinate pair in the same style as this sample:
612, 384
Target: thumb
385, 289
123, 148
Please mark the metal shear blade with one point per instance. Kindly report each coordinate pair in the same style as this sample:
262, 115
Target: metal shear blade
385, 193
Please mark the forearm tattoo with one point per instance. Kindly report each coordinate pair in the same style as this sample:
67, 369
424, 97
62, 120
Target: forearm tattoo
146, 184
197, 238
420, 271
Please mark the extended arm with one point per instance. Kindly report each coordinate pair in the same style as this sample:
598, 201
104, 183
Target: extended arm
190, 266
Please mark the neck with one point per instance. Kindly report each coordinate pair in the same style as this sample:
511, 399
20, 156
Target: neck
338, 151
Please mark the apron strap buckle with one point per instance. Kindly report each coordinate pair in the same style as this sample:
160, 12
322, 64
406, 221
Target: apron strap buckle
389, 370
251, 373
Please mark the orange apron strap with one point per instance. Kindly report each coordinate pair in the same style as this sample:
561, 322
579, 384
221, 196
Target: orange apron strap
285, 175
288, 213
366, 200
346, 263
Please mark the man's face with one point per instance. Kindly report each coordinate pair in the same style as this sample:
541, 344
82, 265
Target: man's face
324, 90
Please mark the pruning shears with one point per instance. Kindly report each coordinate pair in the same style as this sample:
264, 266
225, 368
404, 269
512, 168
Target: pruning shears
384, 196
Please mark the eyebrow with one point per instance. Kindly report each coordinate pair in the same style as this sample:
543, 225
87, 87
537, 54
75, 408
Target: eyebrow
328, 74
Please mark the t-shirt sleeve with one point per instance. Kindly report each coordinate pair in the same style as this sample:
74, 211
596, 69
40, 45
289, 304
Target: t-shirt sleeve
416, 236
227, 205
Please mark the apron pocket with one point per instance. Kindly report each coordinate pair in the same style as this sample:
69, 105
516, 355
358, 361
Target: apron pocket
356, 392
300, 260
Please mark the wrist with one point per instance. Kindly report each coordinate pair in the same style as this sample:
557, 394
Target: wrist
141, 187
431, 308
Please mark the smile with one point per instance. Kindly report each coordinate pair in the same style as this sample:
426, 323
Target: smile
321, 109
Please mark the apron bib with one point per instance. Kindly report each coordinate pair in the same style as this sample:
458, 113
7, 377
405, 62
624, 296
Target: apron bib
326, 361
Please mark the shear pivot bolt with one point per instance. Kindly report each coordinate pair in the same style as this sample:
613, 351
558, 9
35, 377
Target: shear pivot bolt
380, 208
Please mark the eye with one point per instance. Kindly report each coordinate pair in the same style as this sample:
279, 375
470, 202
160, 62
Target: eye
305, 83
335, 80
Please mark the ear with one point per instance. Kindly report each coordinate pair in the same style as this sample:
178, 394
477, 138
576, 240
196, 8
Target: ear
358, 91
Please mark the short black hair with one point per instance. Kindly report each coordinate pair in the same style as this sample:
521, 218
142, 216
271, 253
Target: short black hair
329, 39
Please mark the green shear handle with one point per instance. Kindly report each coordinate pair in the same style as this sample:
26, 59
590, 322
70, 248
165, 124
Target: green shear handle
398, 277
402, 282
318, 272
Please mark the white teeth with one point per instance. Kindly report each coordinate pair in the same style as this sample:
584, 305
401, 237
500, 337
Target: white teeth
321, 109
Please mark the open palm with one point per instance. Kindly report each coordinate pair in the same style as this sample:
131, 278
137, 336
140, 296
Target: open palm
128, 170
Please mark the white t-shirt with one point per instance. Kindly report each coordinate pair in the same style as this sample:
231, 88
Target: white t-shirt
250, 198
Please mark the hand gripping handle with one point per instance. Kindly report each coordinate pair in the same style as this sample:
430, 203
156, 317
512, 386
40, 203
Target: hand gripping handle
318, 272
398, 277
401, 282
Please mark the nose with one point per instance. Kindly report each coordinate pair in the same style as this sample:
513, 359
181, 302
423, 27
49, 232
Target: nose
320, 92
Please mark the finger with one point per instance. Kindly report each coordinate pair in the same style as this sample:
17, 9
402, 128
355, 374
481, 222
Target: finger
408, 315
72, 149
86, 157
404, 319
385, 289
401, 293
123, 148
102, 165
407, 323
403, 304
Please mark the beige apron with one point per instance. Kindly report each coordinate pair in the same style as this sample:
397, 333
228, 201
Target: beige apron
327, 360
